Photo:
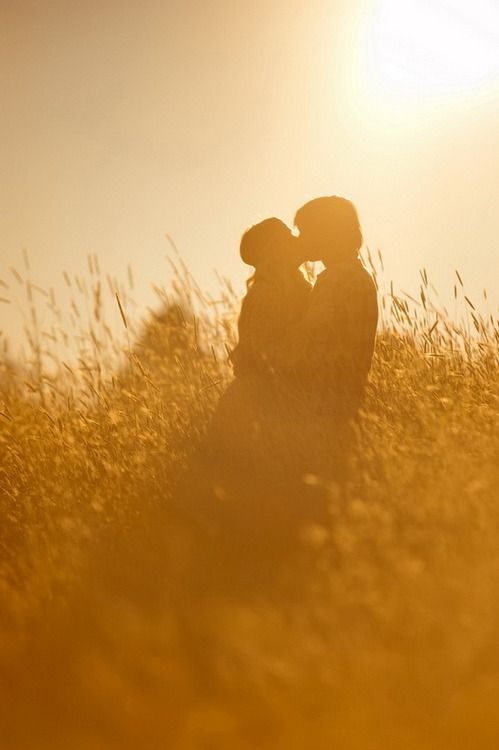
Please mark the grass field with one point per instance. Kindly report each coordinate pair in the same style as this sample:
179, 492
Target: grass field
121, 629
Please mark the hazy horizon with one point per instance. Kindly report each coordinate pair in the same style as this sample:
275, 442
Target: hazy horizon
124, 122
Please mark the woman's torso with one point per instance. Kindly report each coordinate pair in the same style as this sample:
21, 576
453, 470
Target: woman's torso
269, 309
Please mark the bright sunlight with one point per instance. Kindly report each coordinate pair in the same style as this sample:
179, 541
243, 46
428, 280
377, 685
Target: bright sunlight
424, 49
256, 506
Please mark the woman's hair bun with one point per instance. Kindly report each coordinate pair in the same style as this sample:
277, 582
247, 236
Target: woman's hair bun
258, 239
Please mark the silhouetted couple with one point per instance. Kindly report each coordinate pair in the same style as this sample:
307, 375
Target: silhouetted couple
304, 352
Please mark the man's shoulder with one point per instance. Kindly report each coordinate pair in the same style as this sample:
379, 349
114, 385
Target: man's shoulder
345, 288
323, 288
369, 282
360, 277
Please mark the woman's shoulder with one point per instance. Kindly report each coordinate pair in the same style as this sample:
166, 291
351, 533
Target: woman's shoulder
266, 293
260, 300
260, 288
297, 283
300, 279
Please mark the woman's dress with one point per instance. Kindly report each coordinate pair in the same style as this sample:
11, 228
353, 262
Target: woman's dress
250, 438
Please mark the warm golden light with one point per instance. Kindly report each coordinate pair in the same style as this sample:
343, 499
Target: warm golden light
255, 507
420, 49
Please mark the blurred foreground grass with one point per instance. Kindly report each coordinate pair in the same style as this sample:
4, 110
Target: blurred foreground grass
120, 630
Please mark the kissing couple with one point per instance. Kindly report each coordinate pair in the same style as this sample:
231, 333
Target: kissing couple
304, 352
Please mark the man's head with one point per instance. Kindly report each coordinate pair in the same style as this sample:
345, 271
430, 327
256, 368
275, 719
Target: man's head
329, 229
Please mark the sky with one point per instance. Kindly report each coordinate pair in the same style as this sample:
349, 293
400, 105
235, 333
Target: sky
126, 121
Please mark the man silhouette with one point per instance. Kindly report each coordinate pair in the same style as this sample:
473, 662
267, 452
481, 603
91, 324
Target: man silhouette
330, 350
340, 328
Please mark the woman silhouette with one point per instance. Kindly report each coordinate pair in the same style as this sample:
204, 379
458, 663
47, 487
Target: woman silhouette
237, 485
242, 435
277, 297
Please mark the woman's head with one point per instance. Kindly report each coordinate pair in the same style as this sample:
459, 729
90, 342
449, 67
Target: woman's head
329, 229
270, 244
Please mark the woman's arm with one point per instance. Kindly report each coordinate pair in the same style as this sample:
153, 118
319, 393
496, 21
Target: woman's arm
300, 342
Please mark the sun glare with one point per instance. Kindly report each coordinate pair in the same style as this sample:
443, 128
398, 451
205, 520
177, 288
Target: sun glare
421, 49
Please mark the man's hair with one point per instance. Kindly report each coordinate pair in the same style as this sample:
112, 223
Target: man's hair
332, 216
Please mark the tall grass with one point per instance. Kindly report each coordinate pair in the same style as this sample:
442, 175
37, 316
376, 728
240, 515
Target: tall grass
120, 628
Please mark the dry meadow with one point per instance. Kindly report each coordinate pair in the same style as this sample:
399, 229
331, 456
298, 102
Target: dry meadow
121, 627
